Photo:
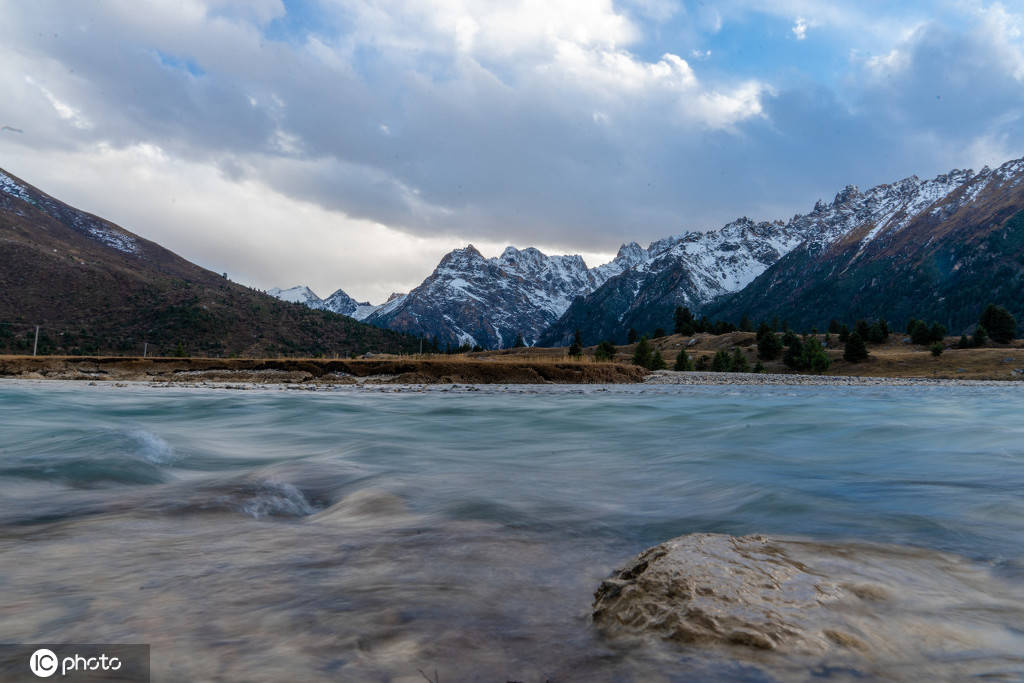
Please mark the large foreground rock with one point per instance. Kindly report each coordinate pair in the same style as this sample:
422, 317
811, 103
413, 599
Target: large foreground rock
753, 594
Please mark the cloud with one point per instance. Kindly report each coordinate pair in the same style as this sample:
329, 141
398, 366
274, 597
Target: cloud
573, 125
800, 29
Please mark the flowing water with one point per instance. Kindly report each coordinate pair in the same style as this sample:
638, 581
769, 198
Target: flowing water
356, 534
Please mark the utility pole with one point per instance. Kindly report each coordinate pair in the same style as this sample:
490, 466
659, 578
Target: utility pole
35, 345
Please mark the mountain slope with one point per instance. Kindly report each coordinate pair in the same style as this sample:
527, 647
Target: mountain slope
94, 287
943, 249
469, 299
731, 265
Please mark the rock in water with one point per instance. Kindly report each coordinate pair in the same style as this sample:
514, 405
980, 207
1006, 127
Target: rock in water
859, 602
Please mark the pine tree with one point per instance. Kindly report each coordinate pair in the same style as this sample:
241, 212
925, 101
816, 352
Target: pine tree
659, 333
937, 348
739, 361
683, 362
605, 351
844, 333
745, 324
632, 336
833, 326
722, 362
520, 342
964, 342
855, 350
179, 350
769, 346
758, 367
999, 323
980, 335
657, 362
875, 333
576, 348
683, 321
813, 357
937, 332
642, 353
920, 333
794, 351
863, 329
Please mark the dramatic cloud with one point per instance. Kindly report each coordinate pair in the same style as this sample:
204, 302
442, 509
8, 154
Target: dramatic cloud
352, 142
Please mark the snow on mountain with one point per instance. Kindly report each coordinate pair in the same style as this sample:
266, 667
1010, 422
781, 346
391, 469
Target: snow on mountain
98, 229
470, 299
299, 295
696, 268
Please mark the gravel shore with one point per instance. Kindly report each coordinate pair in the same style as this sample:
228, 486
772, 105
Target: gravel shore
673, 377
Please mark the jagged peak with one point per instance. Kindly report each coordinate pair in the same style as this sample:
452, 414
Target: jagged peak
846, 194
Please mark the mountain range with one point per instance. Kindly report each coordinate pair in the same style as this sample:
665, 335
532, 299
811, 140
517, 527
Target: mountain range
936, 248
93, 287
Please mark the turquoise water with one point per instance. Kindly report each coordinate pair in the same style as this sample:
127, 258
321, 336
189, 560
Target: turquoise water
382, 532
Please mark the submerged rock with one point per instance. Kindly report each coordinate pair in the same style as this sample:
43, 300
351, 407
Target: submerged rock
853, 601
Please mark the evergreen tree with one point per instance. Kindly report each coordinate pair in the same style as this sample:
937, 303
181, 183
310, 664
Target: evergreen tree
576, 348
769, 346
813, 357
745, 324
642, 353
833, 326
937, 332
863, 329
763, 330
683, 321
999, 323
722, 362
683, 362
789, 338
739, 361
844, 333
794, 351
703, 363
657, 362
937, 348
920, 333
964, 342
876, 335
758, 367
703, 325
659, 333
520, 342
980, 335
855, 351
179, 350
775, 323
605, 351
632, 336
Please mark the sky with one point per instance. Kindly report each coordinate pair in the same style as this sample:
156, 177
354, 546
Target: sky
352, 143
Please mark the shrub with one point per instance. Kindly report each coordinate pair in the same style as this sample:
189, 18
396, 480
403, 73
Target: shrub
999, 323
605, 351
937, 348
703, 363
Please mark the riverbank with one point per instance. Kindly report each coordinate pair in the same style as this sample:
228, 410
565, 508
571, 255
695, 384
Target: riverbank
392, 370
